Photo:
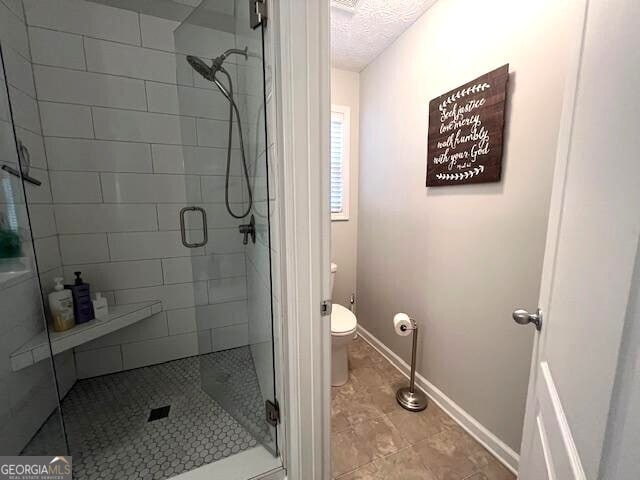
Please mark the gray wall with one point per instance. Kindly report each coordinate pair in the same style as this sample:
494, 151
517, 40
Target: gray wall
345, 91
461, 258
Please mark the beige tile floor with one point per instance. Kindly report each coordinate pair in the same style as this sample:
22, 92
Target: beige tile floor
373, 438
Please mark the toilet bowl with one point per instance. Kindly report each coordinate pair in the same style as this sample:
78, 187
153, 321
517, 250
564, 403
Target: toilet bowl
343, 330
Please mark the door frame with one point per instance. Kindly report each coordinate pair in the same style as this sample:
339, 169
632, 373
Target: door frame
302, 86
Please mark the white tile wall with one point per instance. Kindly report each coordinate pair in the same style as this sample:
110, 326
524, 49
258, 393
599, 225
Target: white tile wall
57, 49
230, 337
43, 223
62, 120
180, 295
85, 88
143, 245
100, 361
98, 156
213, 133
205, 342
90, 218
150, 188
158, 32
196, 40
200, 268
84, 18
119, 275
65, 372
7, 146
4, 105
213, 189
25, 110
225, 240
16, 7
227, 289
159, 350
75, 187
195, 102
207, 317
88, 248
196, 3
132, 137
194, 160
13, 31
133, 126
128, 61
18, 71
47, 253
182, 320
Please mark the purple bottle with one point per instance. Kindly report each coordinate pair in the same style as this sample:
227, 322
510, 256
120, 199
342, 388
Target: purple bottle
82, 304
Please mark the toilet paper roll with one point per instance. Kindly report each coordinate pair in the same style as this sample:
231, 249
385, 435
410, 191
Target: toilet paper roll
402, 324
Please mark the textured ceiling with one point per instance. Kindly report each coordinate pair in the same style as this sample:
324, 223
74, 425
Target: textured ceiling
359, 37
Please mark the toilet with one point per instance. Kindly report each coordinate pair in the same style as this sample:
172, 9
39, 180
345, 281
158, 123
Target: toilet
343, 331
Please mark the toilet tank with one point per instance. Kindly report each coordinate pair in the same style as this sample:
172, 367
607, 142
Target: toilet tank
334, 268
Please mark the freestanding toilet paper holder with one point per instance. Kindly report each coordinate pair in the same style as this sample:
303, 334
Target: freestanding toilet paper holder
408, 397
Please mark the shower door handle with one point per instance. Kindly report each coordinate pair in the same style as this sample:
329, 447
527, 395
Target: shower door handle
183, 229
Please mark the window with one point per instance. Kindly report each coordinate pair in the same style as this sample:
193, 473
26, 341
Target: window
339, 198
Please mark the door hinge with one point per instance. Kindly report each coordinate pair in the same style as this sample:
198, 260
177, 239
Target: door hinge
325, 308
257, 13
272, 410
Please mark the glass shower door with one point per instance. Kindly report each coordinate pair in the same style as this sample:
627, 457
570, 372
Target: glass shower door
236, 364
29, 406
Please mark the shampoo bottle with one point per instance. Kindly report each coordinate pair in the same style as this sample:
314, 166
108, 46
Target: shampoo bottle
61, 306
100, 307
82, 304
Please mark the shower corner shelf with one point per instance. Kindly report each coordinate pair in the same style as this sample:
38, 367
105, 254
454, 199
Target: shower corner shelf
120, 316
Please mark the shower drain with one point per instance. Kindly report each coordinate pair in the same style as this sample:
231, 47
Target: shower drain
158, 413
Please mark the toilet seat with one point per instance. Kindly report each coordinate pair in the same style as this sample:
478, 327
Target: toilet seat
343, 321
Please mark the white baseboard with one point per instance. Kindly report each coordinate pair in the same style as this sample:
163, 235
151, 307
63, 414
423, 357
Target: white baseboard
491, 442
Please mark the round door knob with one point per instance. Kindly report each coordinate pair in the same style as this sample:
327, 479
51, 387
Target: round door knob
522, 317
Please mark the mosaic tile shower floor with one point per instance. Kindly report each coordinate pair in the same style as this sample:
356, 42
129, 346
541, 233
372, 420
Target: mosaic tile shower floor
110, 436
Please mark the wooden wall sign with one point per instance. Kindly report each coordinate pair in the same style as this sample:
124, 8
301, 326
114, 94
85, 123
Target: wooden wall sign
465, 132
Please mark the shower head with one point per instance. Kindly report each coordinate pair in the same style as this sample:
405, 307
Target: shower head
209, 72
201, 67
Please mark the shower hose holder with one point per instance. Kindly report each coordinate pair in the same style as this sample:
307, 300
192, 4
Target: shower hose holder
408, 397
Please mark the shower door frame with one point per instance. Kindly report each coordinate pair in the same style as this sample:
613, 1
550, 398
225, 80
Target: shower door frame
302, 88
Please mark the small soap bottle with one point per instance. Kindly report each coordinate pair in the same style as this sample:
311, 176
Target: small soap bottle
61, 307
100, 307
82, 304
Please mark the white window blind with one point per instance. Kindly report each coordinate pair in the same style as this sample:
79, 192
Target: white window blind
339, 163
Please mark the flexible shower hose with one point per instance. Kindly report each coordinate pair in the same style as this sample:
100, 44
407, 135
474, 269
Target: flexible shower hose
233, 108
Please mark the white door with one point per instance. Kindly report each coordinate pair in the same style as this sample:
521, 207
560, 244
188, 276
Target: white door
592, 243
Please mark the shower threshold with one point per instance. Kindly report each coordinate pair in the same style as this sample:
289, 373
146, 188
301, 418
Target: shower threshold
255, 463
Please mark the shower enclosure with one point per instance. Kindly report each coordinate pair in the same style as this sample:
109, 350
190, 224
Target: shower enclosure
151, 178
